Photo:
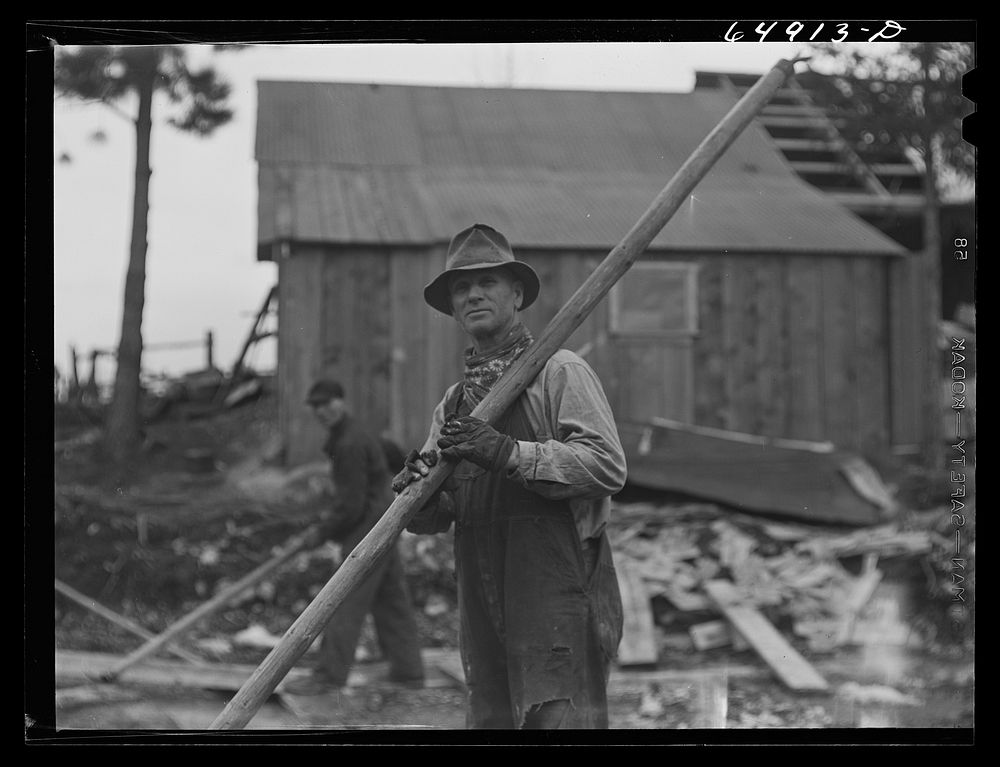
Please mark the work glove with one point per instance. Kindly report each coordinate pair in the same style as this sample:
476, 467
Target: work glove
437, 514
471, 439
410, 471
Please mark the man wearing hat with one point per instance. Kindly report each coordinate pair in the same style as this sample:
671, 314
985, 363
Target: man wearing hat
361, 495
541, 614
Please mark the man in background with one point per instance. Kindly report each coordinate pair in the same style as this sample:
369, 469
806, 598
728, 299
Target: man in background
362, 493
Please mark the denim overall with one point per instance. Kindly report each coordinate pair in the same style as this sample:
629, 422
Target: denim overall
541, 613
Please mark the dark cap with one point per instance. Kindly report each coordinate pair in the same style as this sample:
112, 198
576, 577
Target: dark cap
324, 390
479, 247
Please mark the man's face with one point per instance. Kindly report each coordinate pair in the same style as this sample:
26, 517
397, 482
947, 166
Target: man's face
485, 301
330, 412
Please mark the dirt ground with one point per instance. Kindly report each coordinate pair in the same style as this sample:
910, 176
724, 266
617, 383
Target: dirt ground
199, 509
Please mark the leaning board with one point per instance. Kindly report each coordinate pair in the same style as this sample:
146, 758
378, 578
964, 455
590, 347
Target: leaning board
784, 660
638, 645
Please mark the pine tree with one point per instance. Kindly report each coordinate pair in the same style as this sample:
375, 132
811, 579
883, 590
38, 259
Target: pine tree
120, 74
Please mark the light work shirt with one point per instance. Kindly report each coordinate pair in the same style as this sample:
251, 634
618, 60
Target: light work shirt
578, 456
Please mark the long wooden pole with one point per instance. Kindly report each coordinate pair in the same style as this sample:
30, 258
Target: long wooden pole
119, 620
292, 547
301, 634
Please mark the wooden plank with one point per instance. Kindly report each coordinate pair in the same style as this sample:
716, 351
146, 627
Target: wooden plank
225, 597
839, 373
120, 620
451, 666
872, 389
368, 301
678, 378
89, 694
638, 645
628, 680
794, 670
643, 372
286, 353
397, 356
87, 666
409, 339
870, 203
786, 121
731, 271
709, 363
656, 377
805, 362
712, 702
905, 357
770, 348
300, 333
861, 593
779, 480
747, 375
825, 168
74, 667
712, 634
806, 144
742, 437
868, 484
336, 356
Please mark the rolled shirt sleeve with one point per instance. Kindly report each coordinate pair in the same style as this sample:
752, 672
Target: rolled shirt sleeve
579, 454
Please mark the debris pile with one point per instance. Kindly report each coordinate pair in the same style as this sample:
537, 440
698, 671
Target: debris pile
811, 582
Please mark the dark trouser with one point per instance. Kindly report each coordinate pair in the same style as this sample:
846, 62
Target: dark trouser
383, 594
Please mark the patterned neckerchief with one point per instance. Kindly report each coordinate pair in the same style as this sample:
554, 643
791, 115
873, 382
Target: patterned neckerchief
484, 370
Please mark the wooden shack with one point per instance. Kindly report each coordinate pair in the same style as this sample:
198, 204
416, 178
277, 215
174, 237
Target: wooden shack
764, 306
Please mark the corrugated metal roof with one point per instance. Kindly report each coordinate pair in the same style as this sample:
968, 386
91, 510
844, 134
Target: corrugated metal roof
351, 163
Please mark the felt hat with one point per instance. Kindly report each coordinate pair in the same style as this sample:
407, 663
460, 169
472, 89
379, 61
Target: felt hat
479, 247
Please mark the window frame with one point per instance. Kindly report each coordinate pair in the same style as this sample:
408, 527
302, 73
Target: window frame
689, 271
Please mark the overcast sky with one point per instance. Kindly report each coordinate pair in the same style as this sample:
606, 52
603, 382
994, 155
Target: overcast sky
202, 272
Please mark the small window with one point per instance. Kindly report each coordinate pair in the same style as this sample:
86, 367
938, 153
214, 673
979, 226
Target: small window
656, 298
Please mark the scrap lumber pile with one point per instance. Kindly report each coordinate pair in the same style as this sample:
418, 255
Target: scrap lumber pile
711, 577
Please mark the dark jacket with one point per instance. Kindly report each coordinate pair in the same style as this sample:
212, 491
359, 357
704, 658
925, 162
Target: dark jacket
362, 484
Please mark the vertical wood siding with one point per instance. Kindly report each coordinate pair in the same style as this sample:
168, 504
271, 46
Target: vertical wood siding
300, 285
908, 365
710, 402
871, 343
840, 407
787, 346
806, 383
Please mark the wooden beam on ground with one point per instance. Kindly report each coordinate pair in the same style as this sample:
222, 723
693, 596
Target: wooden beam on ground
794, 670
806, 144
89, 666
119, 620
88, 694
712, 706
638, 645
73, 667
861, 593
293, 546
451, 666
